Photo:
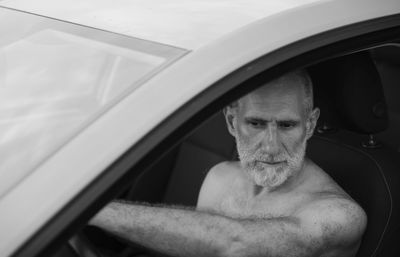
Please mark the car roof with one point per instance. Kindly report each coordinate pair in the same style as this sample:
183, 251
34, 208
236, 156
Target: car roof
186, 24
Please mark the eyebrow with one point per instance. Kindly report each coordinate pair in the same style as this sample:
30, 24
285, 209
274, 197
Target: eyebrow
259, 119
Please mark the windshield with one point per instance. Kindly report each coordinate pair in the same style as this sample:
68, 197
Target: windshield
56, 78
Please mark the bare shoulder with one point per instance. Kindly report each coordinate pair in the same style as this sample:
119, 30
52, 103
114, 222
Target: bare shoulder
336, 221
331, 214
221, 173
215, 183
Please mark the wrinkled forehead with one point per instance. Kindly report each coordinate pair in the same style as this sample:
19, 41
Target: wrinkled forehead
284, 96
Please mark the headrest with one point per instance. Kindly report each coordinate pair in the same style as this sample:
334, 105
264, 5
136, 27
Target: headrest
349, 91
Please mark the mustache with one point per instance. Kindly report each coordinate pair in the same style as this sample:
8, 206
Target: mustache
260, 156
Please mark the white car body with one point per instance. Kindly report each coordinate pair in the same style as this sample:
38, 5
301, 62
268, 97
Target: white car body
216, 38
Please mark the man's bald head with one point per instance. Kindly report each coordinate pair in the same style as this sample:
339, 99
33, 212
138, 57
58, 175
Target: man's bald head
298, 78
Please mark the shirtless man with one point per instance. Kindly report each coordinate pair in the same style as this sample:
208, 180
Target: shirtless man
274, 202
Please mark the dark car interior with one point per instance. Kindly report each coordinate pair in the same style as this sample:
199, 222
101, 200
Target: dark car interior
356, 142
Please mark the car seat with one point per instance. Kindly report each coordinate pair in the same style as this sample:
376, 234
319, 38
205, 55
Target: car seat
349, 92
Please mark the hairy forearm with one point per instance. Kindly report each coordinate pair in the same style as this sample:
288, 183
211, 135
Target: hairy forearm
185, 232
175, 231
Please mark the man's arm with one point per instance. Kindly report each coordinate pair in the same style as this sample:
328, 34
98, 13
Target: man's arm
332, 226
184, 232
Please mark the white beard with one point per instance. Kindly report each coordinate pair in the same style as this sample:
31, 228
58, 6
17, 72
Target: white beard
262, 174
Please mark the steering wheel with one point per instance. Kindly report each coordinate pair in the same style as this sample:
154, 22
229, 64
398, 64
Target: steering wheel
84, 246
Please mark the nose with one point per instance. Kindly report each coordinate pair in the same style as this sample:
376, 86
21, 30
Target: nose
270, 140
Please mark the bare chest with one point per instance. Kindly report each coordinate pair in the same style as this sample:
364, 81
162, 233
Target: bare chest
237, 205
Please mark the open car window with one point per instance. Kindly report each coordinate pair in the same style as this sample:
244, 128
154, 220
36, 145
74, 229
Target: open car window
210, 144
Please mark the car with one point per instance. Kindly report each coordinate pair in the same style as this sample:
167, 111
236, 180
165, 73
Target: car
114, 99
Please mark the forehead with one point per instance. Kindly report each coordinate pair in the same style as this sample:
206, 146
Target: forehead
280, 99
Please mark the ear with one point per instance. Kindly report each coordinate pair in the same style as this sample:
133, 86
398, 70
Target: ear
312, 122
230, 116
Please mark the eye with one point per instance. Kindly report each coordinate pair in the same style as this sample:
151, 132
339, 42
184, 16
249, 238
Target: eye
287, 124
255, 123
